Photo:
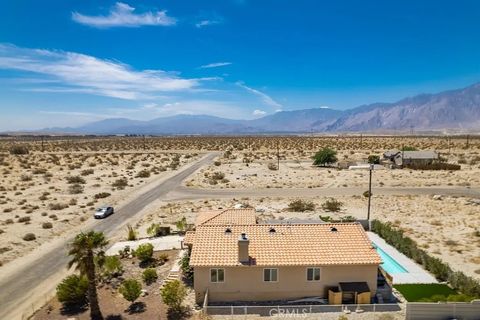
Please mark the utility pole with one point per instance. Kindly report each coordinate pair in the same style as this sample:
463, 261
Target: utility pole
369, 194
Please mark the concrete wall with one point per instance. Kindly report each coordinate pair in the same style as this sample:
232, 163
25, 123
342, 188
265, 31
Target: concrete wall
246, 283
435, 311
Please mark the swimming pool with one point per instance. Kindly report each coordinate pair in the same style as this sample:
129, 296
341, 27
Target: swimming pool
389, 264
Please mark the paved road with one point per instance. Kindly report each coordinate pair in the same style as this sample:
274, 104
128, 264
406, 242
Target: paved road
17, 290
184, 193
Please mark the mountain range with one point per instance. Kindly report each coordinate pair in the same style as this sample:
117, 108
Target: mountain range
455, 109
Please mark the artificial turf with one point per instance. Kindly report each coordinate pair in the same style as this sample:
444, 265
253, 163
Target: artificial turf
417, 292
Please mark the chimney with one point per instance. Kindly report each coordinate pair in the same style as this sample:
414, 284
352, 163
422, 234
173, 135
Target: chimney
243, 243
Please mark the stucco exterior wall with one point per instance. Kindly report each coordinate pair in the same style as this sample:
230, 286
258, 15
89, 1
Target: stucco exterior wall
246, 283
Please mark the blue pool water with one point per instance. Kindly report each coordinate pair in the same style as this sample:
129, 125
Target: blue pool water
389, 264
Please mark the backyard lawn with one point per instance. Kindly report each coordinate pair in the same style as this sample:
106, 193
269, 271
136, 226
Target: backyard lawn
418, 292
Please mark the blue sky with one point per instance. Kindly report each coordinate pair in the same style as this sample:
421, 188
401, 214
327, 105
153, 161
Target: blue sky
65, 63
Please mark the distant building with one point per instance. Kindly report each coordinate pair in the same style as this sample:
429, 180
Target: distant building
404, 158
236, 259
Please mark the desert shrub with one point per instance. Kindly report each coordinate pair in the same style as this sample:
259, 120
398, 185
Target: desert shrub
325, 157
149, 275
272, 166
163, 258
434, 166
39, 171
24, 219
332, 205
57, 206
131, 234
217, 163
47, 225
73, 290
156, 230
173, 294
300, 205
144, 252
102, 195
26, 177
120, 183
29, 237
442, 271
111, 266
408, 148
373, 159
18, 150
86, 172
75, 188
75, 180
131, 290
366, 194
143, 174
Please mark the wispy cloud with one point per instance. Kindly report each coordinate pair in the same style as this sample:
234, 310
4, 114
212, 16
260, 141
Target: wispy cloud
264, 97
215, 65
204, 23
75, 72
123, 15
258, 112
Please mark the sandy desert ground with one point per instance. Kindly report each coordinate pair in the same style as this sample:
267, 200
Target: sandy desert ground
35, 190
46, 194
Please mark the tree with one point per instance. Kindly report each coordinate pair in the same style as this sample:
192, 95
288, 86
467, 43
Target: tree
131, 290
83, 250
73, 290
173, 294
373, 159
325, 157
144, 252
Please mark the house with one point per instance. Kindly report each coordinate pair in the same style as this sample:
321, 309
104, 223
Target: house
237, 261
405, 158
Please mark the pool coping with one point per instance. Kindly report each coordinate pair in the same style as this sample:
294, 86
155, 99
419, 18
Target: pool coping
415, 274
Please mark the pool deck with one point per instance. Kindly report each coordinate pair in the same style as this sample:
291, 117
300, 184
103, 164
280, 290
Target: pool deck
415, 274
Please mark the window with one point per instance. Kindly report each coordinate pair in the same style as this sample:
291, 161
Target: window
313, 274
270, 275
217, 275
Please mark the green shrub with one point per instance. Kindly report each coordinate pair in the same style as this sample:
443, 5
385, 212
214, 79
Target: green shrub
156, 230
332, 205
181, 224
73, 290
149, 275
131, 290
300, 205
173, 294
325, 157
373, 159
112, 266
144, 252
187, 271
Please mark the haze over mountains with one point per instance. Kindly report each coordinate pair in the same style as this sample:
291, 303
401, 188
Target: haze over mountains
455, 109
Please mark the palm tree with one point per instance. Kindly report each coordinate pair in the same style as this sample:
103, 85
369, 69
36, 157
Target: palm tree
83, 250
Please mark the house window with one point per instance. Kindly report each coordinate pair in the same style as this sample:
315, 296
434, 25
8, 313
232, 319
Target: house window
313, 274
217, 275
270, 275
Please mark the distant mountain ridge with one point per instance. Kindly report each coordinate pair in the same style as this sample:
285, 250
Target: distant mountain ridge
454, 109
